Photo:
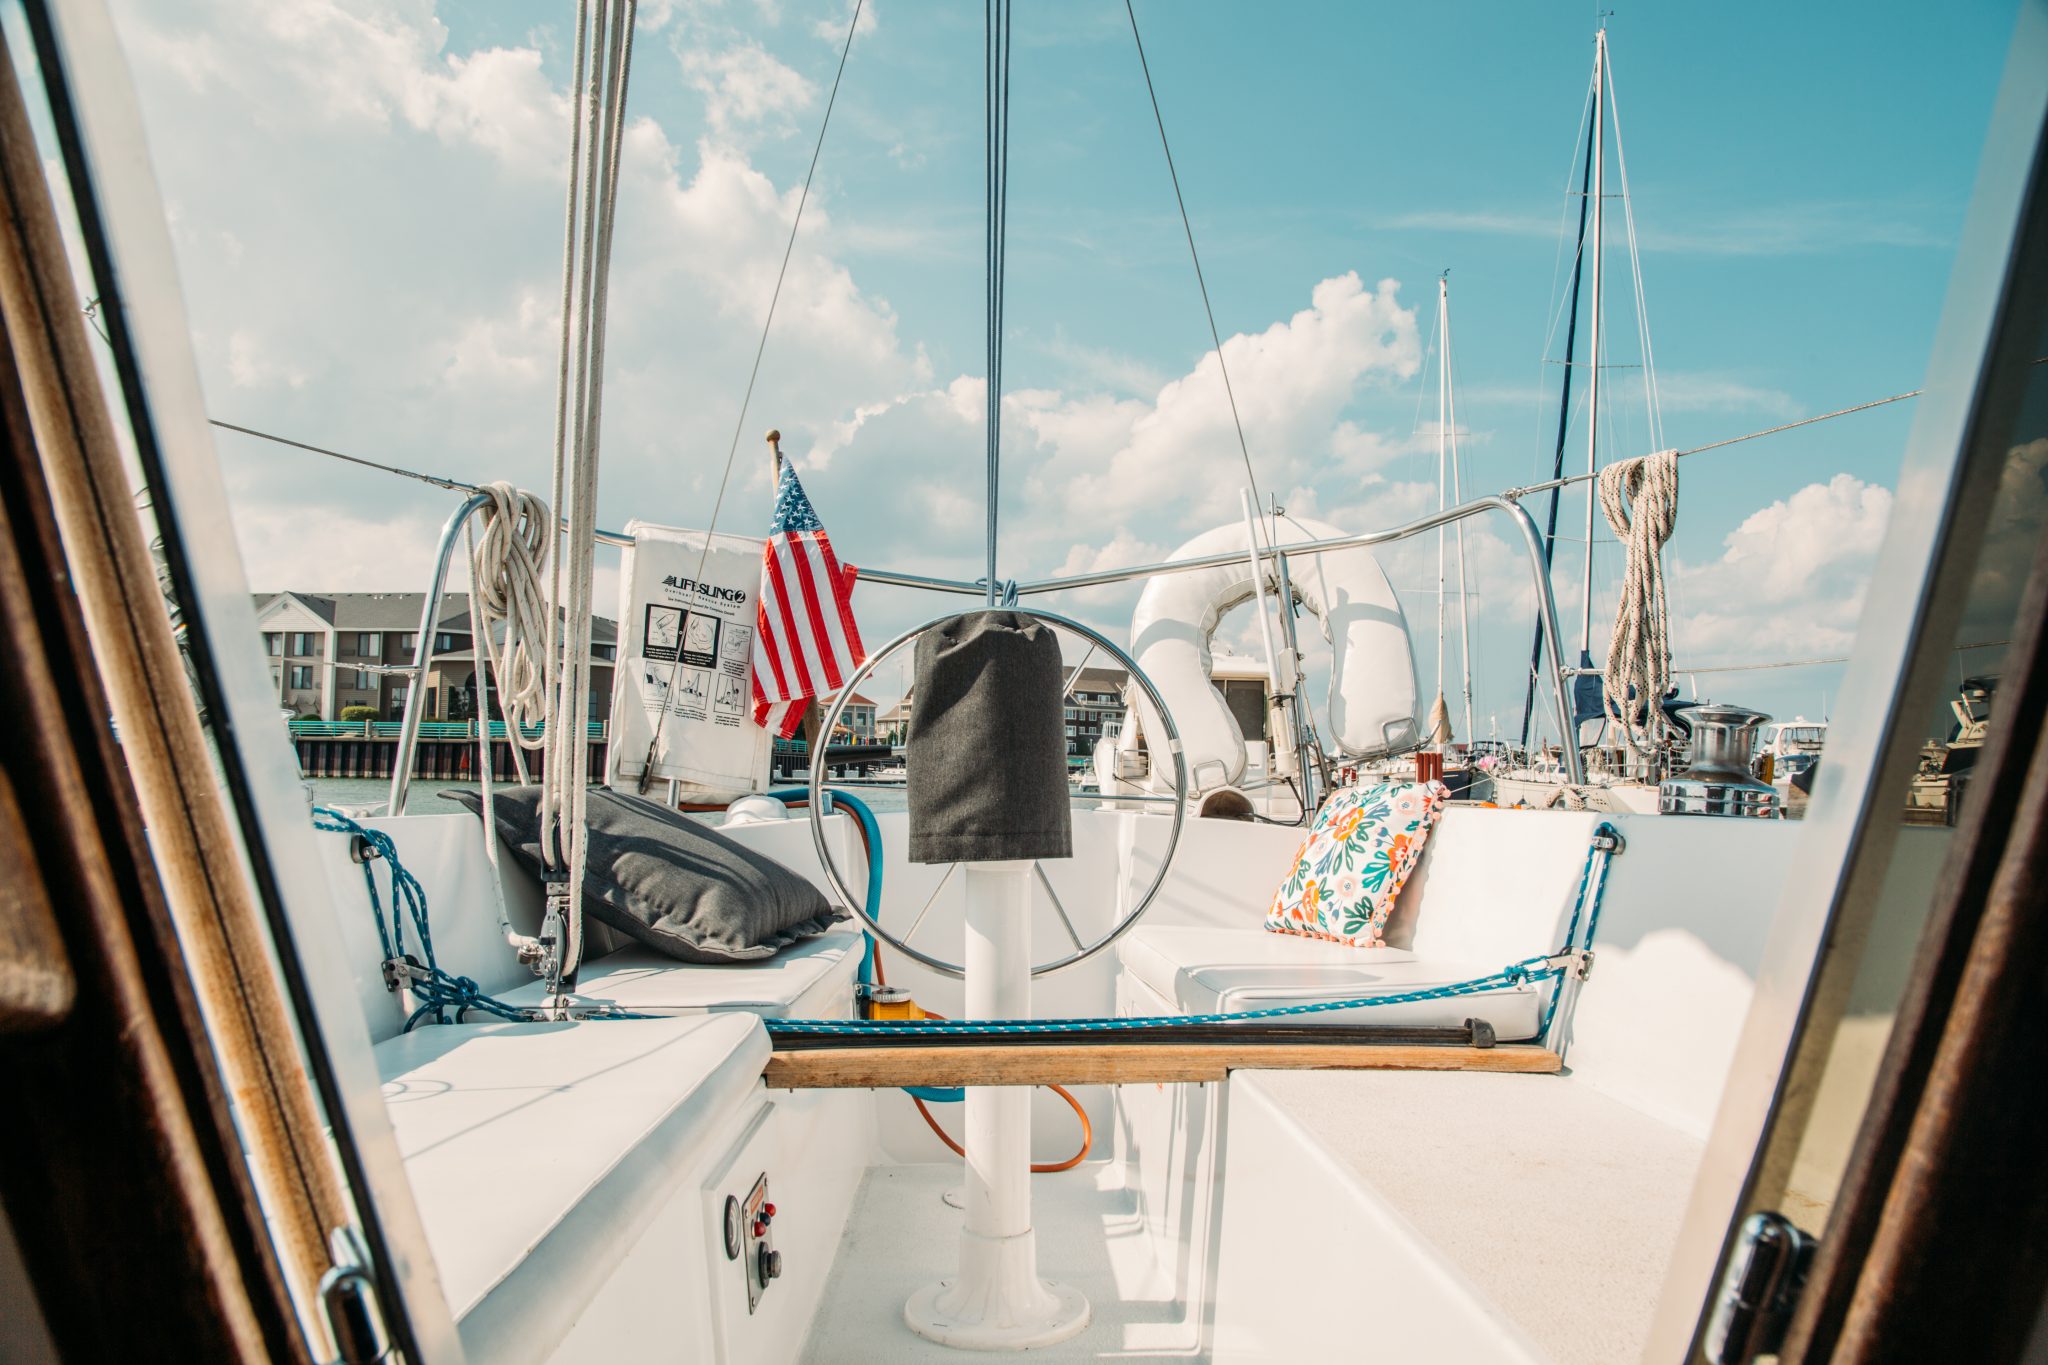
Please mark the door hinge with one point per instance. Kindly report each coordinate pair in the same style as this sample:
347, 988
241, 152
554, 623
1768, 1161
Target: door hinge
1759, 1288
348, 1298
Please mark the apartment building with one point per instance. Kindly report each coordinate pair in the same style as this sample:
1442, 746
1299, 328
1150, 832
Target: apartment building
856, 722
1095, 700
330, 650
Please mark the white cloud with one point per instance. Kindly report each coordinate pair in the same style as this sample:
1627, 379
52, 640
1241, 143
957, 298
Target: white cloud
744, 88
833, 30
369, 238
1790, 579
1785, 229
369, 235
1292, 382
1717, 393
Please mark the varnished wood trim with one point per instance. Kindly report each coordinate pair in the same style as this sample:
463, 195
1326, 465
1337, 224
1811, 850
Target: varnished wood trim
126, 1179
36, 985
869, 1068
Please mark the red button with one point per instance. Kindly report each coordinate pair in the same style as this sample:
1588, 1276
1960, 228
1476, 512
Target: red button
768, 1209
760, 1228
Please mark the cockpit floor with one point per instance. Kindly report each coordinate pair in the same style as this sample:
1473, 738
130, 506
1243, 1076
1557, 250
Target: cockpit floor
903, 1235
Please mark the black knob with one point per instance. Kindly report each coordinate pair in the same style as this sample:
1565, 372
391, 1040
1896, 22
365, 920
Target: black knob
771, 1265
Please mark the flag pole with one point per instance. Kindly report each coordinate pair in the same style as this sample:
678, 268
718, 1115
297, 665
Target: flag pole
810, 721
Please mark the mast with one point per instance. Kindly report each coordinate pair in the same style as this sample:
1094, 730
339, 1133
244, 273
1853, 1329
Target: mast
1564, 414
1443, 488
1598, 152
1457, 497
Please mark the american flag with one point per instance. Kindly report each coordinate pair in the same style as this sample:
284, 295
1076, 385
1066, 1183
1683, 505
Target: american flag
805, 639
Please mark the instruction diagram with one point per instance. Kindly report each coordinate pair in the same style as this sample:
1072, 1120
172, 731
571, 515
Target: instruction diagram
664, 632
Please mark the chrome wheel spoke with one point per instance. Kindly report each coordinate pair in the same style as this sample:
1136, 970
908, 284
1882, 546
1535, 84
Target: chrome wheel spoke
930, 901
1058, 908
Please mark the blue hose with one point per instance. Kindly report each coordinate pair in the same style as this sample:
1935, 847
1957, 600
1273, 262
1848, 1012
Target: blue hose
931, 1094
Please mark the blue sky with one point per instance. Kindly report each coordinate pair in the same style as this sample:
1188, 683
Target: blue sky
366, 199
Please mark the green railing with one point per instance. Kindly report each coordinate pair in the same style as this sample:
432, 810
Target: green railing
430, 729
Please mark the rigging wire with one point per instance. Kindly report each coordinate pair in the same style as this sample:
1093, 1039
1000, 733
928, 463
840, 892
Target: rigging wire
754, 371
1561, 302
1653, 406
1564, 401
996, 71
1215, 338
782, 271
457, 486
435, 480
1570, 479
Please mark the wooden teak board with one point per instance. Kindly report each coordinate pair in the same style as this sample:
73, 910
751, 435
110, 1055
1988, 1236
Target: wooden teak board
863, 1068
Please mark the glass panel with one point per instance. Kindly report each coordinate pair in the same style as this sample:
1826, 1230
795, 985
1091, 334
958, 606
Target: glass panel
1954, 730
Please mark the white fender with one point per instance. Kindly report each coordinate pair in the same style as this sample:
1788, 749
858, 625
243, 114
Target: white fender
1372, 668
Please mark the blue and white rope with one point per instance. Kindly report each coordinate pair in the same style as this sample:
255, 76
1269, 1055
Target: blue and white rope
1529, 971
1606, 840
438, 991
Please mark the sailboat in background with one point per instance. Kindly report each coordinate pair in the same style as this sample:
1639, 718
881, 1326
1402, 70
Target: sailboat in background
1458, 765
1617, 778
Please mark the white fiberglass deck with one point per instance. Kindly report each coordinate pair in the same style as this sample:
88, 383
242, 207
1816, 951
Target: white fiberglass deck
1582, 1195
903, 1235
1503, 1219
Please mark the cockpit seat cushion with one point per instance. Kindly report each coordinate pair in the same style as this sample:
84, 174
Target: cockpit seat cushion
672, 883
1354, 862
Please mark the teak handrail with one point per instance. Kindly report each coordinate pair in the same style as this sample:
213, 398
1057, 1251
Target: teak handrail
998, 1063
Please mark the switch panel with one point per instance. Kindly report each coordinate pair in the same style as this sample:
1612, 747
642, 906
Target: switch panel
759, 1259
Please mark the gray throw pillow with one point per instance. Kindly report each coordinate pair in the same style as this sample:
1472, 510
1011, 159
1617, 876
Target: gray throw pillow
670, 882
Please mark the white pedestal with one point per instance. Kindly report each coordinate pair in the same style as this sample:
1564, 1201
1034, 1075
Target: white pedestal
997, 1302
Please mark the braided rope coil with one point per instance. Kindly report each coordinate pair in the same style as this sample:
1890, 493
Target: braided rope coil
1640, 500
505, 582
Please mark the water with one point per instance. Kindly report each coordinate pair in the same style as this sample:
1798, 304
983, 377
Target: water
424, 797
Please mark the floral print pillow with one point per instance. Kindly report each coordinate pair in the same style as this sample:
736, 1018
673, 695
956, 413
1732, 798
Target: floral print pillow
1358, 854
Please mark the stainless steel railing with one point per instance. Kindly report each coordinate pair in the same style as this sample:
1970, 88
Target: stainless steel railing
1525, 525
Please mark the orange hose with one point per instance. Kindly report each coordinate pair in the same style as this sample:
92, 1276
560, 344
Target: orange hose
931, 1121
1037, 1167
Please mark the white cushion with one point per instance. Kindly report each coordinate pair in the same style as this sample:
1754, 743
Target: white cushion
538, 1153
808, 980
1231, 971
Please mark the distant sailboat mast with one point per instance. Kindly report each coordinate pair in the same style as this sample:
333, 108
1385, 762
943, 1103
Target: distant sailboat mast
1457, 497
1599, 154
1449, 490
1564, 412
1438, 717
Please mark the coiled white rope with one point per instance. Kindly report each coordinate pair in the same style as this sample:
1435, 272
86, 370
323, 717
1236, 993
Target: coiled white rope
504, 581
1567, 796
1640, 500
505, 588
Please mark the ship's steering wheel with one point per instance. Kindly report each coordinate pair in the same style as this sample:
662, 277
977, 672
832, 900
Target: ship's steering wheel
1082, 950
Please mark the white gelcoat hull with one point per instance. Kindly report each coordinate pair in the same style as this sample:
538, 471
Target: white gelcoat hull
1179, 1237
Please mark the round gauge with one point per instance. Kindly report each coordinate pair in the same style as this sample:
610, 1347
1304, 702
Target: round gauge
732, 1228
